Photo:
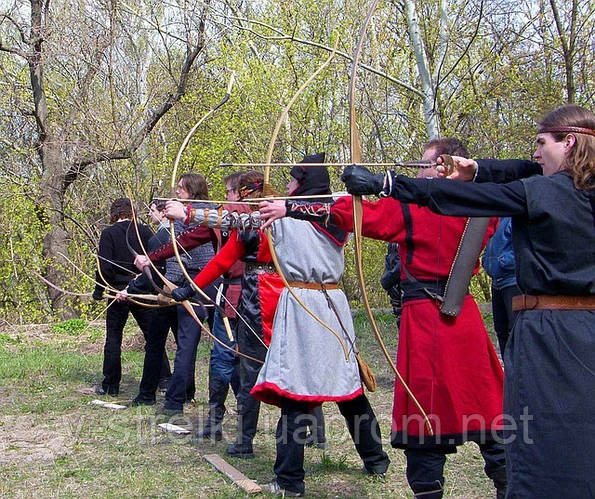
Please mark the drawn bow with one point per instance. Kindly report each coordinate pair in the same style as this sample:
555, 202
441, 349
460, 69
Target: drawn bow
174, 175
267, 192
171, 286
355, 149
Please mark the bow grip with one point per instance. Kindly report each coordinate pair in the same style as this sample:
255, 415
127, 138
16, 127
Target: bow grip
448, 164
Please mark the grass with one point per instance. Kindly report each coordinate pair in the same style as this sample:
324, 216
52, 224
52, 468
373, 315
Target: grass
53, 443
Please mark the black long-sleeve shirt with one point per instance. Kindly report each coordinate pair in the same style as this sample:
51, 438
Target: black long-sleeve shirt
553, 221
113, 248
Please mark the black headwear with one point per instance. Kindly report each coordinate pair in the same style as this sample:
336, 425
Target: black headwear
312, 179
315, 180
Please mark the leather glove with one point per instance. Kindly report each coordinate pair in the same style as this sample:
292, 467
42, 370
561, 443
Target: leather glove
97, 293
360, 181
183, 293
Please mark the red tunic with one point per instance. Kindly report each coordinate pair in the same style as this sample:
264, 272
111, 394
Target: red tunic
449, 363
262, 290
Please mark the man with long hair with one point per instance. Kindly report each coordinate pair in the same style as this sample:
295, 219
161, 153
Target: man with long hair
550, 356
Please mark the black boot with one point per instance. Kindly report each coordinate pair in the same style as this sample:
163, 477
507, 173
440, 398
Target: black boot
247, 423
498, 476
428, 490
218, 389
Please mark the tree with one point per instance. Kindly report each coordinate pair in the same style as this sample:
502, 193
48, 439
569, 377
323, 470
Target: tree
84, 113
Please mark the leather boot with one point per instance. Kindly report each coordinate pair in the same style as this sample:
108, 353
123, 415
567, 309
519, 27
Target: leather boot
247, 424
217, 394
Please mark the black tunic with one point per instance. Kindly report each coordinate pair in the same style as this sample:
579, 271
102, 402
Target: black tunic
550, 358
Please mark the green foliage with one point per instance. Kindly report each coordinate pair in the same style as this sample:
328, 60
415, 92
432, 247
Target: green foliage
71, 327
21, 294
492, 84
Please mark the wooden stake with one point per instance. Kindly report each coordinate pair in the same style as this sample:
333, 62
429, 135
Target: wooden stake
232, 473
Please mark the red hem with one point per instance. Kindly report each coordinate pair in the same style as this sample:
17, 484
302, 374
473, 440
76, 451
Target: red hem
270, 393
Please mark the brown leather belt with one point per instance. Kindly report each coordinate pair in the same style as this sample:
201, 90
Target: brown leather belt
313, 285
559, 302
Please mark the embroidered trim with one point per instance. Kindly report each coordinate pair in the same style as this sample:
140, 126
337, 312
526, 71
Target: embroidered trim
315, 210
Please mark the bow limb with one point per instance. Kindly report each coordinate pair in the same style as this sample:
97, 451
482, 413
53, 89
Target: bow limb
110, 292
186, 304
192, 131
356, 157
131, 297
174, 175
267, 191
58, 288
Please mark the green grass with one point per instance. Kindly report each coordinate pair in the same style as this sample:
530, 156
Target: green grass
53, 443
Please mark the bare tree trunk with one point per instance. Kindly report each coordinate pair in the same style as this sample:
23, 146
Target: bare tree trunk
428, 87
55, 242
51, 193
59, 173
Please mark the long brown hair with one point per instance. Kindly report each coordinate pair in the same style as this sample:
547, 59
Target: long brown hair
580, 160
196, 185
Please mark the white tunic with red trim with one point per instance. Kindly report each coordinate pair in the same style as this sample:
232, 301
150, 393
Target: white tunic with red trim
305, 360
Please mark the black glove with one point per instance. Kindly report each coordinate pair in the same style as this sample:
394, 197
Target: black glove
183, 293
360, 181
97, 293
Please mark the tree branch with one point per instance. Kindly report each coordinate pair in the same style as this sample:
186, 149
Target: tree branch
466, 49
126, 152
281, 36
18, 27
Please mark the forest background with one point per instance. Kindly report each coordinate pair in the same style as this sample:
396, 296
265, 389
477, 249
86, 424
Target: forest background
97, 96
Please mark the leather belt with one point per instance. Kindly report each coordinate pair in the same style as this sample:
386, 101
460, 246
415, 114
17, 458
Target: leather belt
313, 285
555, 302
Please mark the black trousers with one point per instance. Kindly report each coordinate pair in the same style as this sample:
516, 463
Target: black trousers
116, 317
156, 364
248, 406
182, 384
504, 317
425, 467
291, 435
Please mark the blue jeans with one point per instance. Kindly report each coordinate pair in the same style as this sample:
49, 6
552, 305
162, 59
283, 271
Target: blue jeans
223, 362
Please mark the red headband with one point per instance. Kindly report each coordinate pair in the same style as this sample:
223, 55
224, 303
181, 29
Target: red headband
245, 190
566, 129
